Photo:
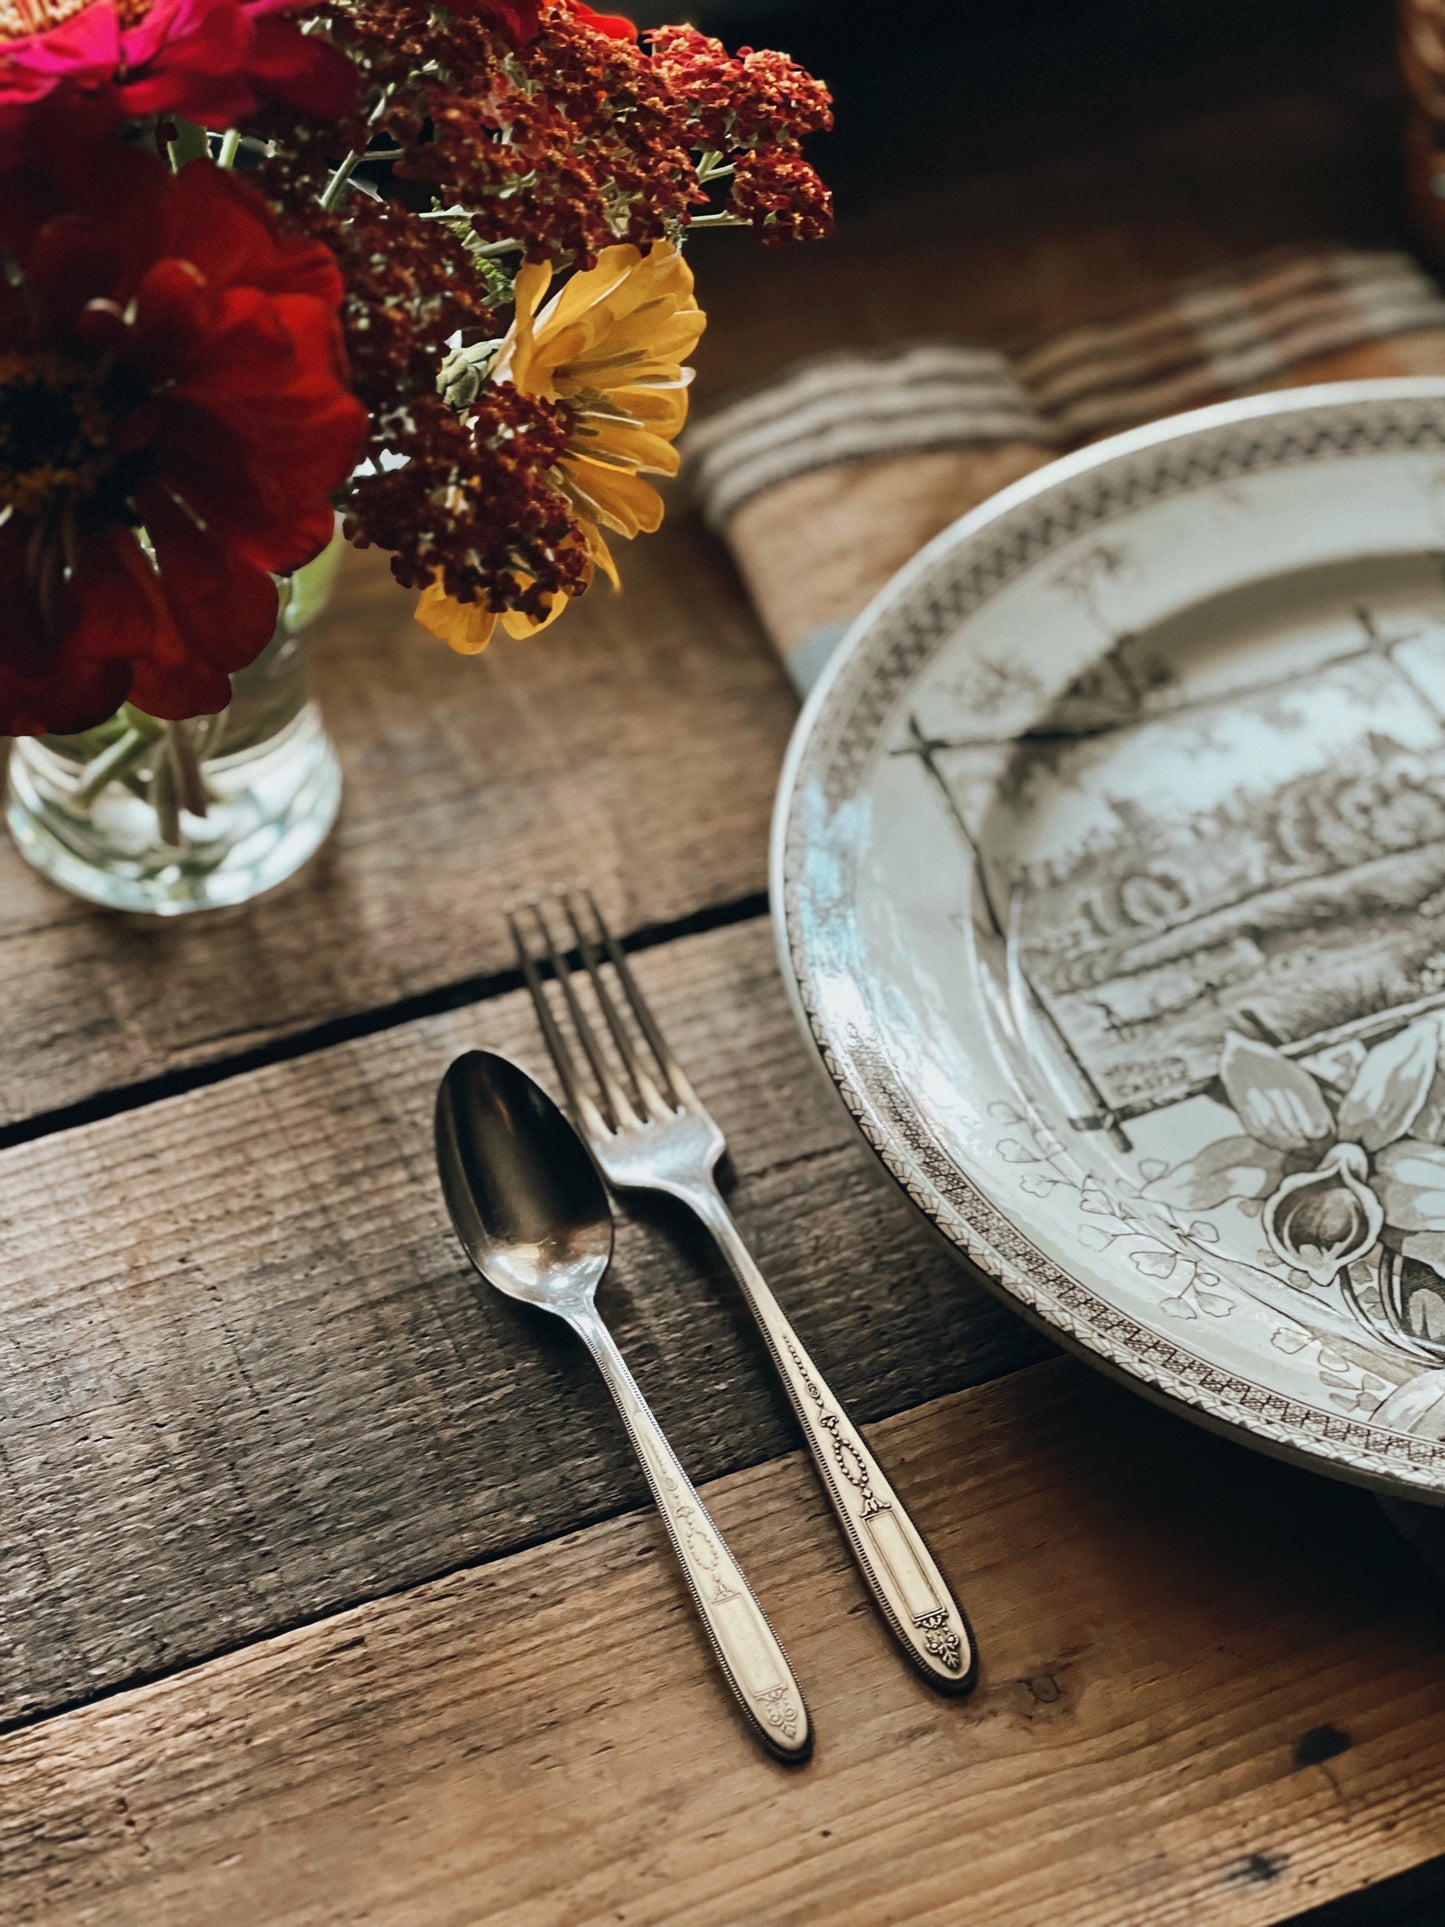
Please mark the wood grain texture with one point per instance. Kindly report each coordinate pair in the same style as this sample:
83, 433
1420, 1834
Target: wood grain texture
248, 1381
639, 742
249, 1377
1213, 1692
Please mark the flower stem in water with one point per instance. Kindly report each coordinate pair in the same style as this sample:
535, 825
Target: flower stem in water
115, 762
190, 783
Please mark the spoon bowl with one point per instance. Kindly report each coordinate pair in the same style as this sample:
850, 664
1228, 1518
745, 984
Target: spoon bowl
524, 1195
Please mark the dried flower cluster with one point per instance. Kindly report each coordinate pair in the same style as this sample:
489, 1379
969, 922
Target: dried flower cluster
394, 169
754, 110
581, 137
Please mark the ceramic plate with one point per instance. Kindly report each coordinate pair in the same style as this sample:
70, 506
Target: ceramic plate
1111, 853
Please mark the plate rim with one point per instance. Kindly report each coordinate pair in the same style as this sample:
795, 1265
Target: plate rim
1329, 1457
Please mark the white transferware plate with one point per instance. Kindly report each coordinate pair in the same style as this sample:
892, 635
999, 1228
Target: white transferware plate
1110, 857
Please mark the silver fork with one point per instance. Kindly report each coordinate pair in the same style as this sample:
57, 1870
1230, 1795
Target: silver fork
649, 1131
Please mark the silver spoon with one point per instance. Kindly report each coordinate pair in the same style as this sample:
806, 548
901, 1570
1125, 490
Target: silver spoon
528, 1204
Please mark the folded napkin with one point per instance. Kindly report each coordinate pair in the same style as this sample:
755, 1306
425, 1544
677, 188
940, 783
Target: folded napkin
826, 480
823, 482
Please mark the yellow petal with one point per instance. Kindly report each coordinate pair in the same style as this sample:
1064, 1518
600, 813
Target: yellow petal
614, 497
532, 283
615, 272
601, 556
622, 443
464, 626
663, 410
647, 346
520, 625
630, 315
517, 623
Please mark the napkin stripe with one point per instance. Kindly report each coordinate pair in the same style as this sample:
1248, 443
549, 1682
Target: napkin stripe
856, 407
1216, 334
1214, 339
1261, 290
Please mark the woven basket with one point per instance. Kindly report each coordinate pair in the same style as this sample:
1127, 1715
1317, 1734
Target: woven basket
1422, 60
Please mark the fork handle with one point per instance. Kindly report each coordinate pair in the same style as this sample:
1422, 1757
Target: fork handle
897, 1567
744, 1644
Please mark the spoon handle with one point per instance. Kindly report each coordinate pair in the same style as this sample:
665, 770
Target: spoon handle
747, 1648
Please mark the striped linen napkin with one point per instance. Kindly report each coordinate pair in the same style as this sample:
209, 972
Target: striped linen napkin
823, 482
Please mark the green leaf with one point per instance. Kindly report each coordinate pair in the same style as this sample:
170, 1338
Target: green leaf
190, 144
311, 586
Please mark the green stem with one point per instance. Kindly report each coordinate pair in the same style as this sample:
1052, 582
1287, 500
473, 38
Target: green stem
190, 144
211, 735
383, 102
165, 801
190, 783
337, 185
229, 148
341, 179
113, 764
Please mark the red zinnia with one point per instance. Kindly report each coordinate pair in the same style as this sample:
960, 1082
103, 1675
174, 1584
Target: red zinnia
206, 60
168, 361
615, 25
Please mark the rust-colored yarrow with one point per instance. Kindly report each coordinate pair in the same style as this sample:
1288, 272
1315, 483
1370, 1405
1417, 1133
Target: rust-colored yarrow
552, 150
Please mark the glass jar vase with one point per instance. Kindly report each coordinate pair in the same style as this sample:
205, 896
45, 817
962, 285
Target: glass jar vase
139, 814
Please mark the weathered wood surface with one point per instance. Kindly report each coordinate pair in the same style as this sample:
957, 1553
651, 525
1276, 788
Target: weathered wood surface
639, 742
1213, 1693
247, 1380
249, 1377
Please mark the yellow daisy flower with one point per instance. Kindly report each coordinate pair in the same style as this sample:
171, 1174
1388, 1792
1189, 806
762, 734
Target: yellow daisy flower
611, 346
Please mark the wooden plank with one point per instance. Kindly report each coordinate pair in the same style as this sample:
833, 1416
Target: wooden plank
249, 1378
1213, 1693
637, 743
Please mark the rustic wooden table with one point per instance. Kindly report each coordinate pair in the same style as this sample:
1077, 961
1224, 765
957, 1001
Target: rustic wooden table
329, 1592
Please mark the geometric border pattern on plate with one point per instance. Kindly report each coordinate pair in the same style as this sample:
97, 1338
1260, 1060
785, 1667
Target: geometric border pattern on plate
842, 730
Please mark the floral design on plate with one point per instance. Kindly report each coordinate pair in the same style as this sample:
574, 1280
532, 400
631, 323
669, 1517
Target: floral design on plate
1349, 1175
1112, 859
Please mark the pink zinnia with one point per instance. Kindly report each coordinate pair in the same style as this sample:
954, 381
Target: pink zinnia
205, 60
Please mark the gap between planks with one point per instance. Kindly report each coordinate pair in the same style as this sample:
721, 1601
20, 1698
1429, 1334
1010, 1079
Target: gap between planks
1212, 1695
468, 993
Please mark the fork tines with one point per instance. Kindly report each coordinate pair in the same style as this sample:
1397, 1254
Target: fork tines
642, 1090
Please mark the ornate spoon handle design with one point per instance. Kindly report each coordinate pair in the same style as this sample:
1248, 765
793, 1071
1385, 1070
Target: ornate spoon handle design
896, 1565
746, 1647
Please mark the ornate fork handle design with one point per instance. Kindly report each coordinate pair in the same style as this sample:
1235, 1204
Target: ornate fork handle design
896, 1565
745, 1645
